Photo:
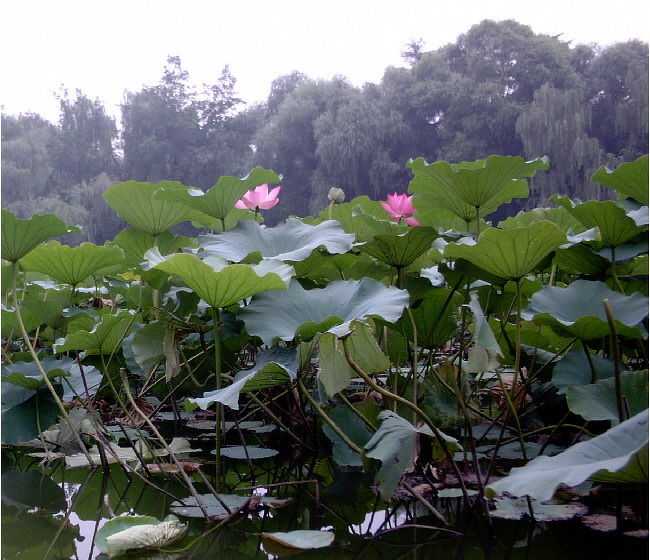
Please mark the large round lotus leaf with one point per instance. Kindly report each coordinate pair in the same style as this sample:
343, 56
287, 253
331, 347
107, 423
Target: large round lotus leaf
104, 338
292, 240
19, 237
135, 242
135, 203
220, 200
510, 253
307, 312
219, 288
559, 216
32, 489
578, 310
470, 187
575, 369
628, 179
612, 221
609, 452
400, 250
582, 259
597, 401
25, 413
353, 427
72, 265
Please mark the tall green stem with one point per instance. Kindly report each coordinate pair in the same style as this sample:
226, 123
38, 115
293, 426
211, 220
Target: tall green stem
216, 319
617, 360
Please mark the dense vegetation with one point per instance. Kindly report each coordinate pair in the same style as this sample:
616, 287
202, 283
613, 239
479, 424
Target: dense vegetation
402, 352
499, 89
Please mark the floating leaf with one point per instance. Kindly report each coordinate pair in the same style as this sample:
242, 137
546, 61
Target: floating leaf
516, 508
578, 310
214, 507
302, 539
135, 203
19, 237
72, 265
619, 447
251, 452
292, 240
300, 312
219, 288
628, 179
220, 200
470, 188
511, 253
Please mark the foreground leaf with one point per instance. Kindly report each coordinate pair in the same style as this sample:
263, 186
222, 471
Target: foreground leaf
302, 539
19, 237
629, 179
622, 446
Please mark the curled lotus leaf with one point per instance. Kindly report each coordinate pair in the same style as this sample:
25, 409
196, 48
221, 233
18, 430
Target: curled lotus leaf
292, 240
621, 449
400, 249
511, 253
628, 179
19, 237
578, 310
303, 313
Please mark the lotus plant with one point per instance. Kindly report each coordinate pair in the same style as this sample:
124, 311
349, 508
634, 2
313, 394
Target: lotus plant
400, 207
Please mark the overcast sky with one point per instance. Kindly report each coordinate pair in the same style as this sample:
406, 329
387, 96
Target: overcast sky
106, 47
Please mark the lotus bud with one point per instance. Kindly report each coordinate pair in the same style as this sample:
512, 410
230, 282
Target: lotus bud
336, 195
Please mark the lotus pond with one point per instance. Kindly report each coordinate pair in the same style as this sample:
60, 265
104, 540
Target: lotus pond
384, 380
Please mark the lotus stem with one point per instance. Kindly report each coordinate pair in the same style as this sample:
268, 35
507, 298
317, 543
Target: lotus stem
216, 320
616, 357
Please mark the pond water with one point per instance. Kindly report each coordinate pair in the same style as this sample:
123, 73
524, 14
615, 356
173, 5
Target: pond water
55, 513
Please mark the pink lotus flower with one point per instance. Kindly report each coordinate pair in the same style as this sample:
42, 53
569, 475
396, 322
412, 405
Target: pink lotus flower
259, 198
400, 207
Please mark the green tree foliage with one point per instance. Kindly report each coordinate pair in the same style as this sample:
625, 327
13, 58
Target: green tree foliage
85, 143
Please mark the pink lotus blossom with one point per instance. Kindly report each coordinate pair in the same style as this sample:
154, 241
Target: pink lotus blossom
259, 198
400, 207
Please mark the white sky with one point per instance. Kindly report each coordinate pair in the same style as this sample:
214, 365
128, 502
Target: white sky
105, 47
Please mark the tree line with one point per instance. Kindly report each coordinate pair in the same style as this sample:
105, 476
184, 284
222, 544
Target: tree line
499, 89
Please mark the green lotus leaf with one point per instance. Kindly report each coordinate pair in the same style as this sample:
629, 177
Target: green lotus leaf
104, 338
19, 237
230, 221
72, 265
516, 508
353, 427
582, 259
27, 490
511, 253
400, 250
435, 318
334, 372
251, 452
220, 200
145, 348
302, 539
214, 507
597, 401
469, 189
574, 369
27, 374
25, 413
135, 242
10, 326
612, 221
290, 241
578, 310
286, 314
321, 267
559, 216
610, 453
628, 179
275, 366
394, 445
222, 287
136, 204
